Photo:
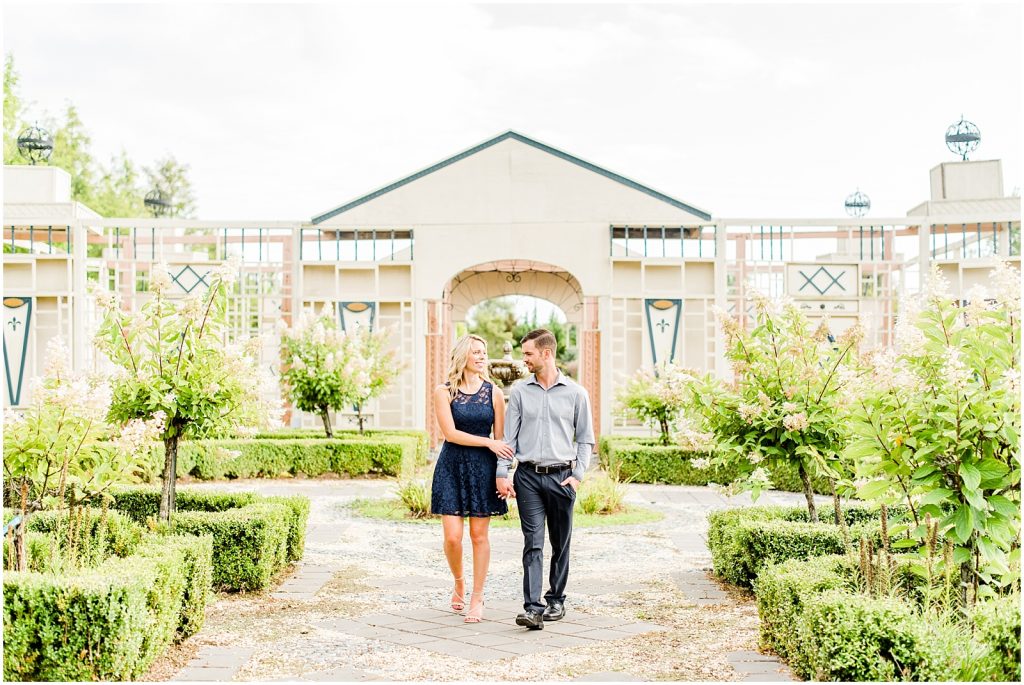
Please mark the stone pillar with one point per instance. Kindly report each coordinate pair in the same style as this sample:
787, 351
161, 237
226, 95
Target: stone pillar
590, 361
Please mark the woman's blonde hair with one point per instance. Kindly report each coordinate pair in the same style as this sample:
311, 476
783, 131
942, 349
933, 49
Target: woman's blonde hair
457, 363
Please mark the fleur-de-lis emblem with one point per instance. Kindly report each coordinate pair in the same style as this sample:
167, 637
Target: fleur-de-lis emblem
662, 325
14, 323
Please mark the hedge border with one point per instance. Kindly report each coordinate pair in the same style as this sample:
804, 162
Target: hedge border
212, 459
254, 536
643, 460
106, 623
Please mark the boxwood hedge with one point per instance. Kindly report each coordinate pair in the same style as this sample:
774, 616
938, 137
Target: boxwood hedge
643, 460
108, 622
813, 616
392, 455
254, 537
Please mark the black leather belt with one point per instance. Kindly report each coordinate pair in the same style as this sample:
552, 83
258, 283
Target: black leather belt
555, 468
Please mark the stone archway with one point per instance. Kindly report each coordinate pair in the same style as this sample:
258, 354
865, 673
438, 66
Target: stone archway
488, 280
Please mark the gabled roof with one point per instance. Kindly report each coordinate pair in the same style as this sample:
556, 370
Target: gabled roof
528, 141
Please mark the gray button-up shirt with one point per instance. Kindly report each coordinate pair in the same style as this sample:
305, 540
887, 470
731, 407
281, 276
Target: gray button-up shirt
548, 427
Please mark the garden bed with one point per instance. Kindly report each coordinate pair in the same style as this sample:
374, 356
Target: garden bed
291, 453
645, 460
110, 615
254, 536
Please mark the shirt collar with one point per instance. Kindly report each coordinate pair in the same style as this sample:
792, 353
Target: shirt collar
559, 380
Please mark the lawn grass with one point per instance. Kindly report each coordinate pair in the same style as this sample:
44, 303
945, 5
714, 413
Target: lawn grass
392, 510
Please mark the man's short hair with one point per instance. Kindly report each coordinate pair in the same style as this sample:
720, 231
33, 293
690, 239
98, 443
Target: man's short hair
542, 338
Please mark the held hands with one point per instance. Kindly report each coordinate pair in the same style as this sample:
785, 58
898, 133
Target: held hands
501, 450
505, 489
573, 482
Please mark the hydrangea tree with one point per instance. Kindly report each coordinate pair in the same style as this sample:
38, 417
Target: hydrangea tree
314, 354
174, 357
657, 396
61, 451
788, 399
370, 367
328, 369
936, 425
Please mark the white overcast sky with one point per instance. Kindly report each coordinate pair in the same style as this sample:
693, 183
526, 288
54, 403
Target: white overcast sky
767, 110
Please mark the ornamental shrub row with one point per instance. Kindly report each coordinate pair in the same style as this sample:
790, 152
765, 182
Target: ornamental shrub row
642, 460
108, 622
745, 540
254, 537
392, 455
813, 616
422, 437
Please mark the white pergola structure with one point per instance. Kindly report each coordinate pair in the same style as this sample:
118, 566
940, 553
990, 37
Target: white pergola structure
637, 272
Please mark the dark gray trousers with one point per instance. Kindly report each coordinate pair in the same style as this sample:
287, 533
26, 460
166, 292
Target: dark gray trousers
540, 498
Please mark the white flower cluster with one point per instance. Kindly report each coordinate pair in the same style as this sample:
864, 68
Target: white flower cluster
700, 463
85, 396
227, 272
137, 434
159, 278
761, 477
105, 299
954, 370
672, 384
796, 422
691, 439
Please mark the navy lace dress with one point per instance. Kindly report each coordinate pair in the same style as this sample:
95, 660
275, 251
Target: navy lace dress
464, 476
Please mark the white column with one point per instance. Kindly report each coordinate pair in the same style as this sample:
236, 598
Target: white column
924, 248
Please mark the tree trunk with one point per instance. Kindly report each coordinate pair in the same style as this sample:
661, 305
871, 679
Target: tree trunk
359, 416
664, 430
325, 416
805, 478
167, 494
20, 560
18, 549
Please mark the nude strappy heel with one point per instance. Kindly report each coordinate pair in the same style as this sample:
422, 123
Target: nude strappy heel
472, 617
458, 601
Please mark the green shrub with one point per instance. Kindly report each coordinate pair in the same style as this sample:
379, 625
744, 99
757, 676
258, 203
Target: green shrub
271, 457
422, 438
250, 544
642, 460
601, 494
298, 515
415, 497
197, 568
98, 534
997, 628
254, 537
852, 637
104, 623
743, 541
813, 616
42, 551
781, 590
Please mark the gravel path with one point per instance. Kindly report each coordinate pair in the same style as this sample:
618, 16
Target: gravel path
354, 567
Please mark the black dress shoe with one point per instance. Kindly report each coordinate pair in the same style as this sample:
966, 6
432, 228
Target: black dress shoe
534, 620
555, 611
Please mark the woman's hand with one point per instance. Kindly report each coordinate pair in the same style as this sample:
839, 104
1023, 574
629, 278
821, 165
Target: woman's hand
501, 450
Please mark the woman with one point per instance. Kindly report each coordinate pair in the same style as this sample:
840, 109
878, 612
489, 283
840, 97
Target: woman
470, 410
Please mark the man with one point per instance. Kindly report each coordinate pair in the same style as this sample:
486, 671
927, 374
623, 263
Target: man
548, 426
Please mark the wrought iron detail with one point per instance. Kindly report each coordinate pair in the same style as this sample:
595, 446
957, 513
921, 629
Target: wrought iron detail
963, 137
35, 144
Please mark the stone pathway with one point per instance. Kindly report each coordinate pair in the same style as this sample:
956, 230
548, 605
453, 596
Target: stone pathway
369, 602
